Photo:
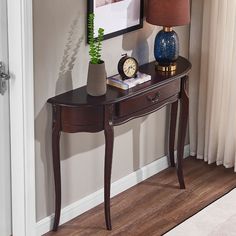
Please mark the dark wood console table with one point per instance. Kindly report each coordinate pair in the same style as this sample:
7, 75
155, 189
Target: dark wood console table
75, 111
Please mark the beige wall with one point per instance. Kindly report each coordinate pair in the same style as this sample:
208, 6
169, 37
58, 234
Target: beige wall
61, 62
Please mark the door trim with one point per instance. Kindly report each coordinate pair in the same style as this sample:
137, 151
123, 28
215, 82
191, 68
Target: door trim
20, 41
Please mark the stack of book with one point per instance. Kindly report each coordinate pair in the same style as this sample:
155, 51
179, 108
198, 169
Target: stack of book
117, 81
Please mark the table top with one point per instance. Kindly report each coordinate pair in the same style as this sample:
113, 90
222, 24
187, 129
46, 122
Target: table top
79, 96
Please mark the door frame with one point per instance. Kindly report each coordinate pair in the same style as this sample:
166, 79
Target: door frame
20, 43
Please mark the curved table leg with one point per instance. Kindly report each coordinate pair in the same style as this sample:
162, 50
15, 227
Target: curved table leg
56, 165
173, 119
109, 138
183, 119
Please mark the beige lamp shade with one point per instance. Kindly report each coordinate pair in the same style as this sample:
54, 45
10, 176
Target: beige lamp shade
168, 12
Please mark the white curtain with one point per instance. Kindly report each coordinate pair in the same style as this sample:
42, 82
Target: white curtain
213, 81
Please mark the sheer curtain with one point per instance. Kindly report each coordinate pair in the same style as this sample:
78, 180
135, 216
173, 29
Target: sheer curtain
213, 82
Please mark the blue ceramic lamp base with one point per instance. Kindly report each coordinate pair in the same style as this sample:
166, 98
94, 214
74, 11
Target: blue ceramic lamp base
166, 49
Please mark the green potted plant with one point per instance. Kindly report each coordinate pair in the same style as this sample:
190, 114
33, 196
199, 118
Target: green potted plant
96, 81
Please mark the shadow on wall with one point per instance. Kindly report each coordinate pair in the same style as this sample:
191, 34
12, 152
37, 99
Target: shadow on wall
140, 37
43, 133
63, 84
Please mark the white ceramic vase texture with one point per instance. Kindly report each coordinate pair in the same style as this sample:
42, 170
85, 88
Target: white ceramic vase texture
96, 81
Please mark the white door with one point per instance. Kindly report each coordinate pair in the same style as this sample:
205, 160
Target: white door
5, 176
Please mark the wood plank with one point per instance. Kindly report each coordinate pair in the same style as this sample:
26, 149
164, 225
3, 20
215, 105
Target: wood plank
157, 204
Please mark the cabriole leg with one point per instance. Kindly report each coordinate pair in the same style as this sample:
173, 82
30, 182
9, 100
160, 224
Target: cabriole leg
109, 141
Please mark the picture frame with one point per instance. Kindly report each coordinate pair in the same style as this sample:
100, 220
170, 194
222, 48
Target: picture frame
116, 17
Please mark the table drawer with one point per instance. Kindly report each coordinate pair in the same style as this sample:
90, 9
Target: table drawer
142, 101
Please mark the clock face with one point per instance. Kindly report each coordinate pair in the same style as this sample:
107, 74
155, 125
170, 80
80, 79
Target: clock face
130, 67
127, 67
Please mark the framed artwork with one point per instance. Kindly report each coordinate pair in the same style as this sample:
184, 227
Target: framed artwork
116, 17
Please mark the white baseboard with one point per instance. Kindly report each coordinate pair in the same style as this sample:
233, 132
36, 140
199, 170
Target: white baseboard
94, 199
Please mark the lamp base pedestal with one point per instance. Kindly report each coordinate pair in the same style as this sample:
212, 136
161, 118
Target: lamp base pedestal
169, 68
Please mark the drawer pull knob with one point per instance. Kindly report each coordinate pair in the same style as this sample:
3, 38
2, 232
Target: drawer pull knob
154, 98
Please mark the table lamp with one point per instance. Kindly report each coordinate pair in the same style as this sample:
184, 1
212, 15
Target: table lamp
167, 13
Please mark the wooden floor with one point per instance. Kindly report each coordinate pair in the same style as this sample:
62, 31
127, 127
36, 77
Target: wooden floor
156, 205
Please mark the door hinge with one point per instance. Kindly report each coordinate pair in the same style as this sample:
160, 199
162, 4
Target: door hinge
3, 79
